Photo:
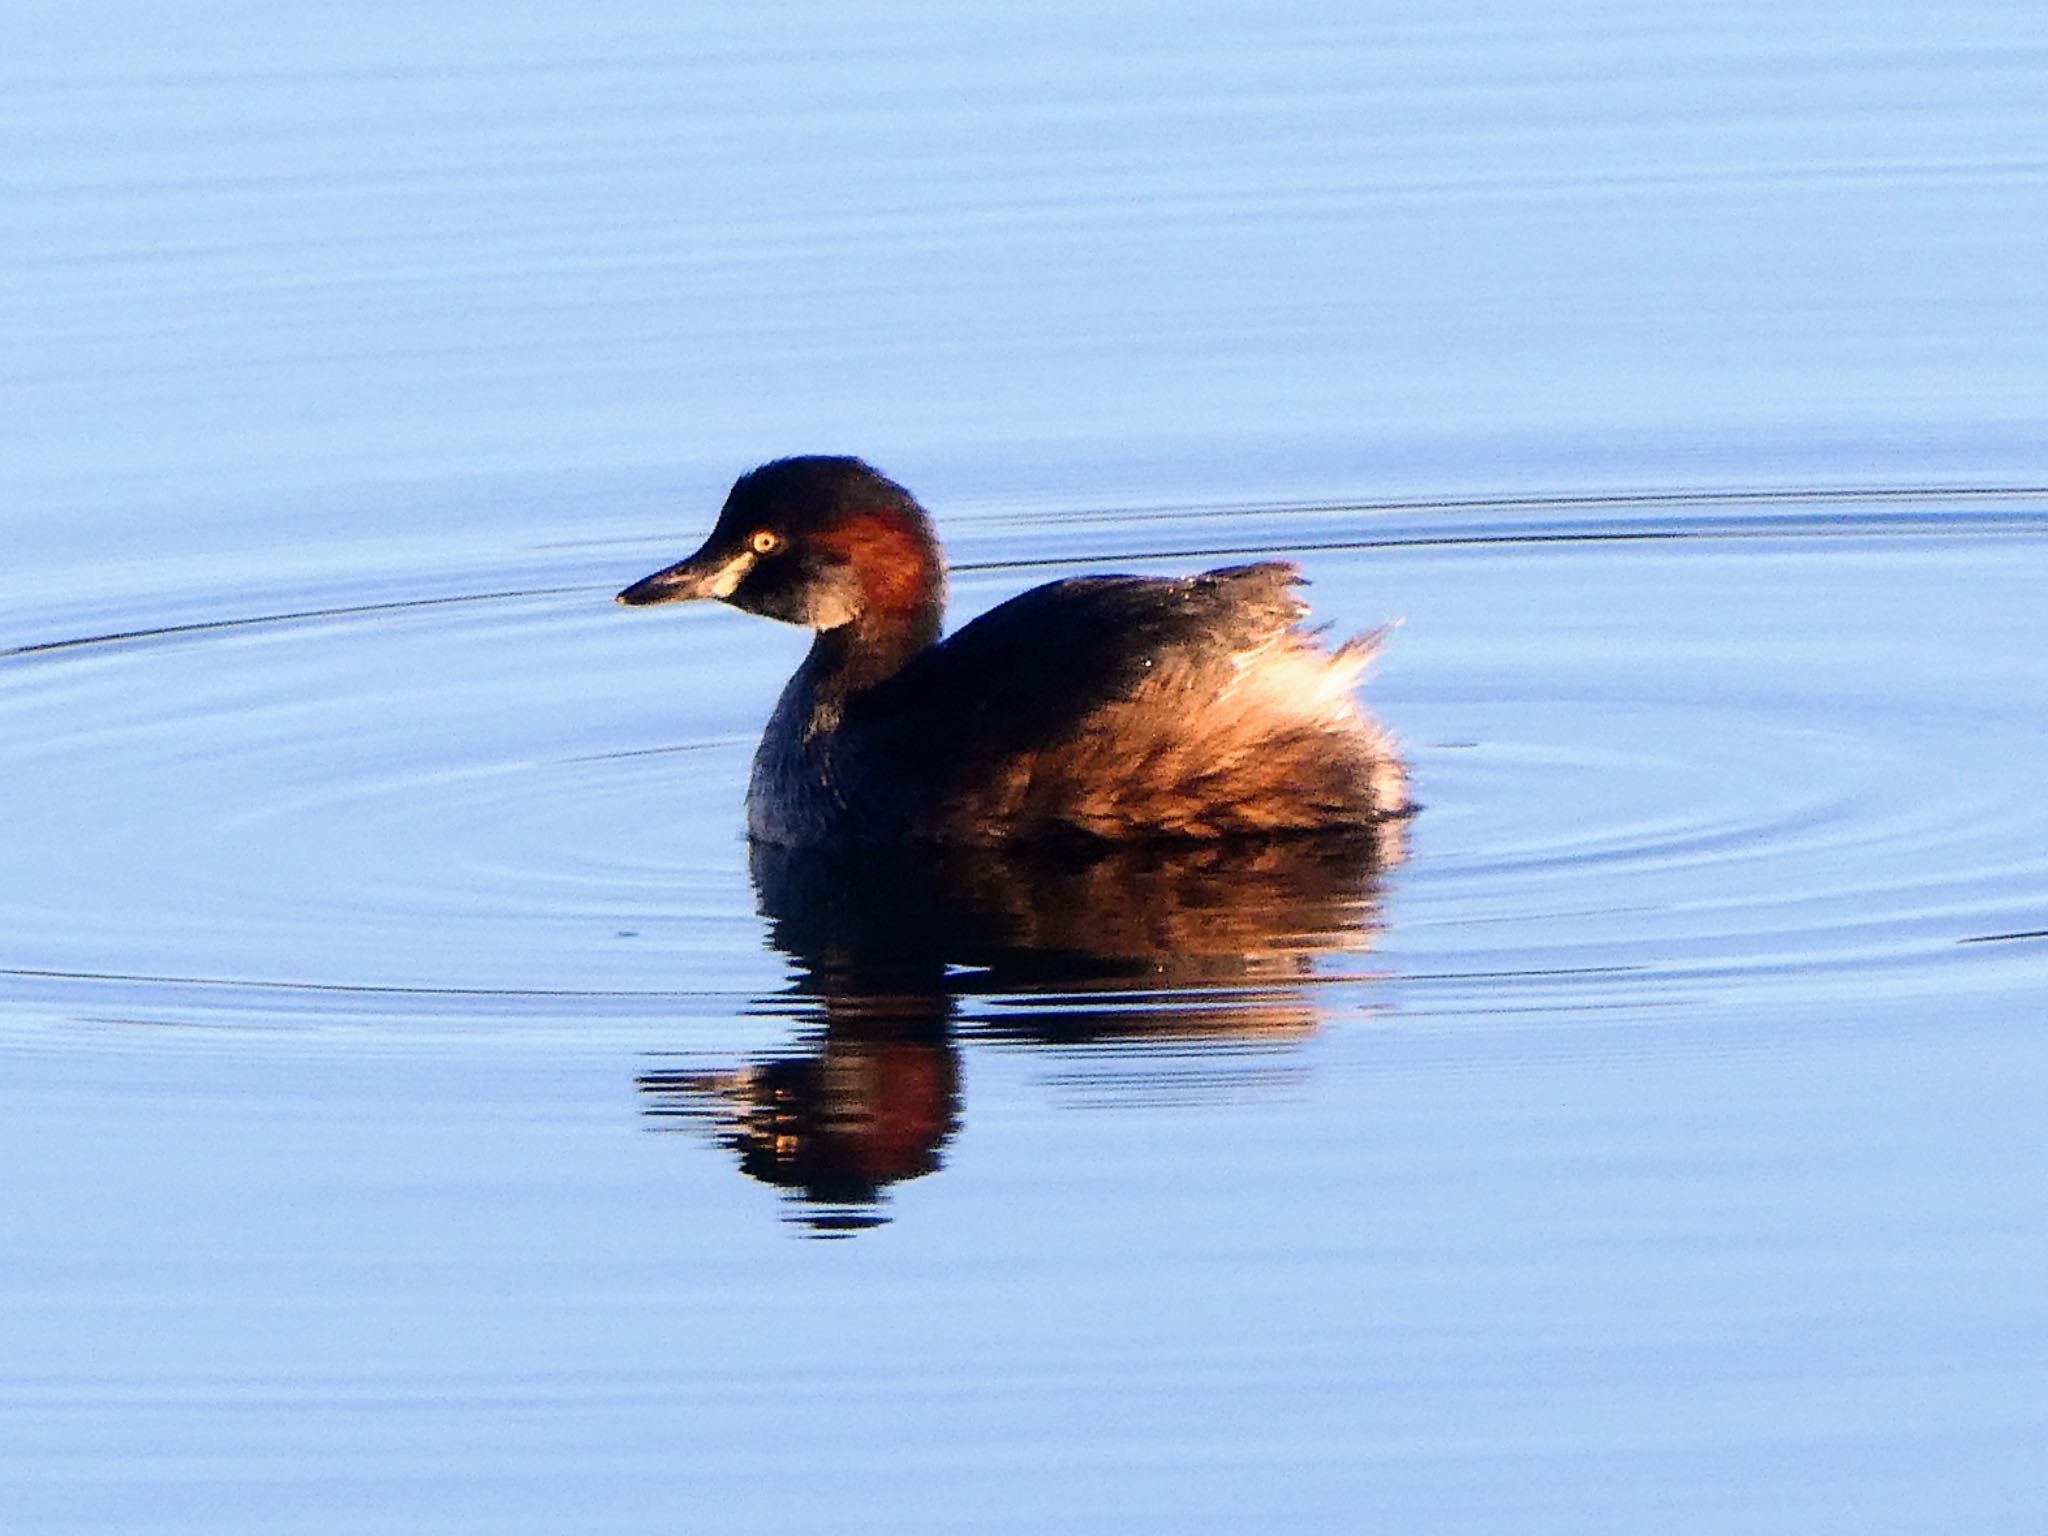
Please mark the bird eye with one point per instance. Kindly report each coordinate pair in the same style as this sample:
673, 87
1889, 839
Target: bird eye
766, 541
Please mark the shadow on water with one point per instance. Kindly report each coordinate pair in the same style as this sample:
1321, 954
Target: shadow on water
1210, 943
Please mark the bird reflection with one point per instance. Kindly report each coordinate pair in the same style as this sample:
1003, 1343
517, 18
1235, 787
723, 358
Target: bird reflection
898, 954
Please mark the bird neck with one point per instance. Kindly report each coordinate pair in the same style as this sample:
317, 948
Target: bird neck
852, 657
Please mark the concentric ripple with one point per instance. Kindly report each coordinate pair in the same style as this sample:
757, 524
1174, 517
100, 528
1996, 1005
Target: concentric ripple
1665, 750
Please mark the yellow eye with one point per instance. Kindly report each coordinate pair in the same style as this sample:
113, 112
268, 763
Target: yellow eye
765, 541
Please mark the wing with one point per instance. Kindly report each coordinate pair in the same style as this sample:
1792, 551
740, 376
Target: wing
1036, 669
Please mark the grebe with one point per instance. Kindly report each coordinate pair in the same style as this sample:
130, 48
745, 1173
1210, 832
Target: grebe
1097, 709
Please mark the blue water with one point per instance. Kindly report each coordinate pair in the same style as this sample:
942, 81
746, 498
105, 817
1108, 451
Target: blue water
420, 1114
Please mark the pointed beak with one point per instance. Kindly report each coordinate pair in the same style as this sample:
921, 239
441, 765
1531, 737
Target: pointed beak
705, 574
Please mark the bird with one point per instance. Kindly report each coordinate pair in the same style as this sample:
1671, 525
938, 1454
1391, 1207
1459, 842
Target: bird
1096, 710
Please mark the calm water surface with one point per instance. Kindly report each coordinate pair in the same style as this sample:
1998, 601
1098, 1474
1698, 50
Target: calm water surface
422, 1112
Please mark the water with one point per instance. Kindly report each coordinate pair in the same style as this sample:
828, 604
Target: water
419, 1114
